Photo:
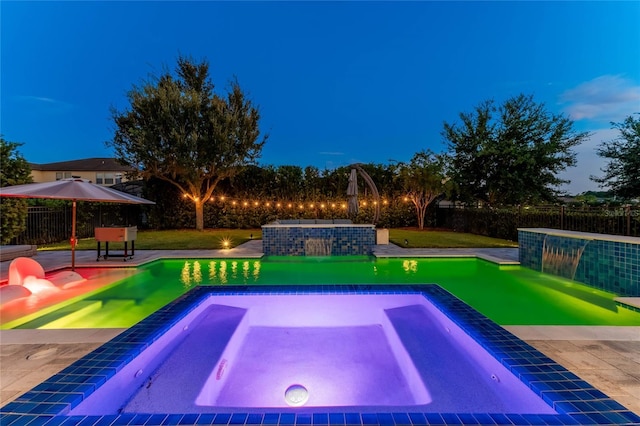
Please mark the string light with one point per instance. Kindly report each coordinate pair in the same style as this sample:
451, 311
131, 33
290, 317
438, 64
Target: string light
290, 205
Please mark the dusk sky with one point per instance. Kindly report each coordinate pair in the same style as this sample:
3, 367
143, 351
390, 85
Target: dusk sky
336, 82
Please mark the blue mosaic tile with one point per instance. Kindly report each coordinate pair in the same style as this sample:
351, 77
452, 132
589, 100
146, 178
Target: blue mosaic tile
304, 419
611, 266
271, 419
287, 418
222, 419
336, 419
320, 418
336, 241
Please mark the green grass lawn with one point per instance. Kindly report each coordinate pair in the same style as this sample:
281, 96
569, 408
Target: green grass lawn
186, 239
428, 238
180, 239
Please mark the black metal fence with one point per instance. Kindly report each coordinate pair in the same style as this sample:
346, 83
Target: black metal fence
504, 222
47, 225
53, 224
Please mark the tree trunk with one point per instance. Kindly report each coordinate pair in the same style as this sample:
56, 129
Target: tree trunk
199, 215
420, 215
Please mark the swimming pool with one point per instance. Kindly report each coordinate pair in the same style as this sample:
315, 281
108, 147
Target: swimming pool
131, 361
509, 295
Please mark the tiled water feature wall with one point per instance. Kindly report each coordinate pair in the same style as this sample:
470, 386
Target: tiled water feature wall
317, 238
606, 262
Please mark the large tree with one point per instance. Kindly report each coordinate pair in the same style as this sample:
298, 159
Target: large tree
178, 130
14, 170
423, 180
511, 153
622, 172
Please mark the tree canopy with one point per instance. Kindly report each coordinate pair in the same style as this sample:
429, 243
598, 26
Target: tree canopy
622, 172
14, 170
423, 180
510, 153
178, 130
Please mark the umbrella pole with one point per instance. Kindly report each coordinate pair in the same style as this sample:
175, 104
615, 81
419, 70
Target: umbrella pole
73, 236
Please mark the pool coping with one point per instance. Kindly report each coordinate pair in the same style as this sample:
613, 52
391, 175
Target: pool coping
576, 400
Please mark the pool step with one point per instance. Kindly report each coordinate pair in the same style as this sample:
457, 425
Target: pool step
72, 313
92, 312
111, 308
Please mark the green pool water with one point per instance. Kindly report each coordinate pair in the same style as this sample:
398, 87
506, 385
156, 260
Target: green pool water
509, 295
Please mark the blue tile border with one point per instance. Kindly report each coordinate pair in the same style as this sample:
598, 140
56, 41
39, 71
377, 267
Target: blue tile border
577, 402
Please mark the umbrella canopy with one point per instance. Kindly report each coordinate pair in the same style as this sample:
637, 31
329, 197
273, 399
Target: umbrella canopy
71, 189
352, 193
74, 189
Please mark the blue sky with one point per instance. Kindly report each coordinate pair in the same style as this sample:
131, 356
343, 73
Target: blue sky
336, 82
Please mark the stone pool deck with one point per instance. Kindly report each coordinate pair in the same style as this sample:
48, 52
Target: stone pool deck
606, 357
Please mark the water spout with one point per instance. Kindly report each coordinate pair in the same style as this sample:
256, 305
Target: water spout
318, 246
561, 260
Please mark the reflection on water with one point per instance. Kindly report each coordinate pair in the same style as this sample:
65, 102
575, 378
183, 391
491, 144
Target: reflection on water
221, 271
410, 266
187, 278
256, 270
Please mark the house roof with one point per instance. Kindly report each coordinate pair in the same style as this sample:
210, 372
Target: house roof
85, 164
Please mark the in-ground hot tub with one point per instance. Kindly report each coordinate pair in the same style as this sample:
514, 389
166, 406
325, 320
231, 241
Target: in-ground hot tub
354, 354
333, 351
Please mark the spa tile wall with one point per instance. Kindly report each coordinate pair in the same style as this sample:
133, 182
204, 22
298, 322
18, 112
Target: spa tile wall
612, 266
343, 240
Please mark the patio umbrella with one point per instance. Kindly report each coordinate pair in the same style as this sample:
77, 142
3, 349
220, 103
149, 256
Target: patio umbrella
352, 193
74, 189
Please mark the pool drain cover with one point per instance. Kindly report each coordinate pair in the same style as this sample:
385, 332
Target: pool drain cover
296, 395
